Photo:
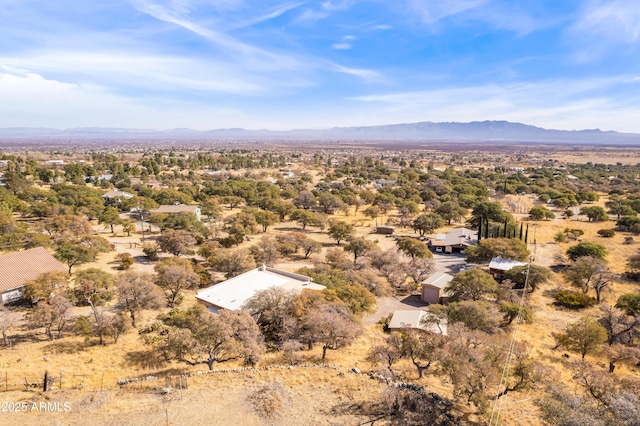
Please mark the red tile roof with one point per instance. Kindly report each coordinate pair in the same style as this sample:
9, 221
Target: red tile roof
22, 266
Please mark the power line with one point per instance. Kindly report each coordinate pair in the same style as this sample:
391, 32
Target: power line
504, 379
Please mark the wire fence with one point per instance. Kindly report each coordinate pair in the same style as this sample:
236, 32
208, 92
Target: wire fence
167, 382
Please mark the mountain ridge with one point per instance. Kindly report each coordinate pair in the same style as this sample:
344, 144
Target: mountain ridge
451, 131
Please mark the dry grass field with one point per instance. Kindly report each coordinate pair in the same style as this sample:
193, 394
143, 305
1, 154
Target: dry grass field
86, 375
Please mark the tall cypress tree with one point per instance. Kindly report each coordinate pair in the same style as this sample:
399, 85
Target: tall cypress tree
526, 234
486, 229
521, 225
480, 229
505, 229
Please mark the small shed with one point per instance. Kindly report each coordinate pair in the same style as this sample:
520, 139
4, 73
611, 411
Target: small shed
498, 266
385, 229
433, 288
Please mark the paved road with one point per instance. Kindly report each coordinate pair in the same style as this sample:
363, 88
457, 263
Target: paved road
449, 263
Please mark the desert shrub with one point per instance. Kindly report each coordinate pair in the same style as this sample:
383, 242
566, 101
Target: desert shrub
151, 251
384, 322
574, 300
268, 401
607, 233
628, 240
124, 260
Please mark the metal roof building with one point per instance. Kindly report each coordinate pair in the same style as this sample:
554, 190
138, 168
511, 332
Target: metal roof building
233, 293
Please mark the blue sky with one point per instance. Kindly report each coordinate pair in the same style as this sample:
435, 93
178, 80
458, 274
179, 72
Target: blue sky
208, 64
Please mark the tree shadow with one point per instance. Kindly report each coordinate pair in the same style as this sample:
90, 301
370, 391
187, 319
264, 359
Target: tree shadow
65, 347
413, 300
145, 359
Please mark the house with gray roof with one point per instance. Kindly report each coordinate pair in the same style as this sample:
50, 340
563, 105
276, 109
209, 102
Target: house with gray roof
454, 241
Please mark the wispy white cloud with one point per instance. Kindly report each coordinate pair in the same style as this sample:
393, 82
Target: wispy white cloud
600, 25
341, 46
497, 13
431, 11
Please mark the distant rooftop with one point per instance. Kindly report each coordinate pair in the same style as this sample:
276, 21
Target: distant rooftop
176, 209
233, 293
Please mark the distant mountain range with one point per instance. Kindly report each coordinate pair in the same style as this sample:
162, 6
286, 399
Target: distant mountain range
478, 131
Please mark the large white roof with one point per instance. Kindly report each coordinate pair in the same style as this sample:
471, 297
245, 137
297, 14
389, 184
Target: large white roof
233, 293
502, 264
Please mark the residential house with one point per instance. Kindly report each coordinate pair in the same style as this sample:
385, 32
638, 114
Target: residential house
180, 208
433, 288
454, 241
403, 319
381, 183
116, 196
233, 293
22, 266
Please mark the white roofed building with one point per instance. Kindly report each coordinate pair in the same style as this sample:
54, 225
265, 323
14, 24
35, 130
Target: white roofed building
233, 293
403, 319
498, 266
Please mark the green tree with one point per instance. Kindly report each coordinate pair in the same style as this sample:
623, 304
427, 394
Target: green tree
74, 254
359, 247
340, 230
596, 251
629, 303
537, 275
265, 219
584, 336
110, 217
427, 223
487, 249
540, 213
304, 217
471, 285
450, 211
594, 213
413, 248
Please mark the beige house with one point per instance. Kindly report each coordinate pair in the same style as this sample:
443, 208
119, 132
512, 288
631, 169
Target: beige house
433, 288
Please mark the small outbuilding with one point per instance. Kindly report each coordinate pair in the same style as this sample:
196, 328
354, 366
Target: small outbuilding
498, 266
385, 229
433, 288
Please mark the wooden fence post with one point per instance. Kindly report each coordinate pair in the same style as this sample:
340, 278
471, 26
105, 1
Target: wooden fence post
46, 377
